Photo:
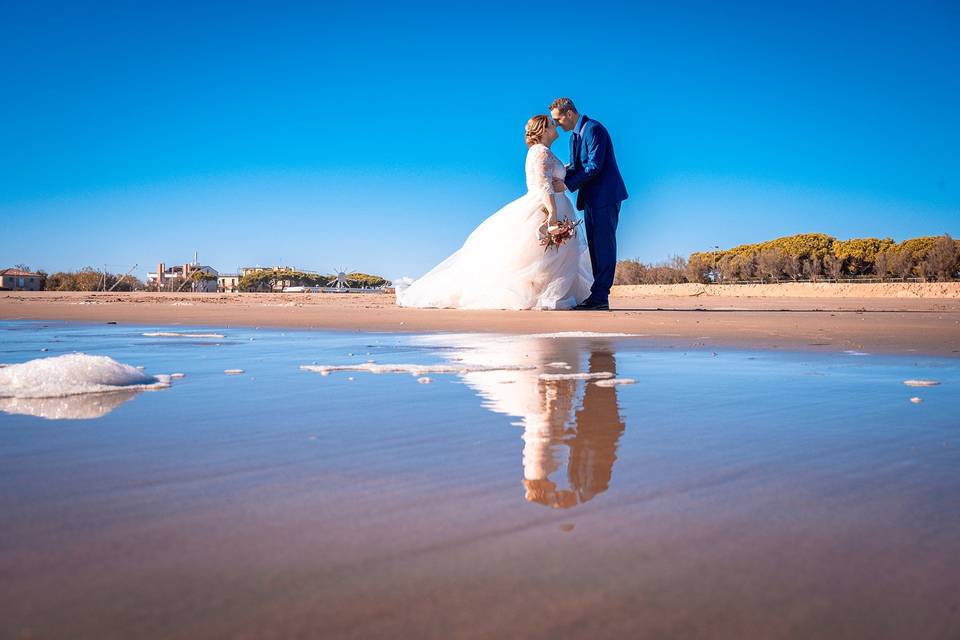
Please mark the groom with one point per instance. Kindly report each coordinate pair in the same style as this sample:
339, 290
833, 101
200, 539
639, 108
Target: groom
594, 174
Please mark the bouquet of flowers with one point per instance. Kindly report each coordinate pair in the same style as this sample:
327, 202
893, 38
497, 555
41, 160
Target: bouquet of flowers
554, 237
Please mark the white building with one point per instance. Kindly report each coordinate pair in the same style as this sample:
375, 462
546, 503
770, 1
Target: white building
228, 282
185, 277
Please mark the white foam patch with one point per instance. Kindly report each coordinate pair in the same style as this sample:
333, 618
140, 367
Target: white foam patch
855, 353
177, 334
413, 369
585, 334
74, 374
612, 382
558, 365
921, 383
556, 377
233, 372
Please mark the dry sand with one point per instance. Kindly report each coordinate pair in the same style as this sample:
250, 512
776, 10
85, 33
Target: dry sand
893, 318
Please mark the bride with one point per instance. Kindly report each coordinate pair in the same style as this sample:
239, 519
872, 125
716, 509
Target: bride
502, 264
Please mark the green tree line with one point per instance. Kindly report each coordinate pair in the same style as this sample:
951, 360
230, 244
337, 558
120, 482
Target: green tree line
89, 279
810, 257
268, 279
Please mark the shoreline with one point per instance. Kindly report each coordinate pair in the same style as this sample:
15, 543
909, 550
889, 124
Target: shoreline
906, 326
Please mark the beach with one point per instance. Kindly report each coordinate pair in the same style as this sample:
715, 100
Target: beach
889, 318
244, 482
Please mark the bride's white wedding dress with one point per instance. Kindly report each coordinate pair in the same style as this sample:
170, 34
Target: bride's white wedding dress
502, 265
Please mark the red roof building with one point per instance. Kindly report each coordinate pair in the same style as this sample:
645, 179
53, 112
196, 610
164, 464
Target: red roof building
20, 280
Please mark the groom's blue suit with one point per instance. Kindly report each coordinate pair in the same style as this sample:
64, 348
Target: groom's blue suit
594, 174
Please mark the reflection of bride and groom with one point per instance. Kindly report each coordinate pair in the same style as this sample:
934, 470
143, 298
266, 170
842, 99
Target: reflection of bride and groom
571, 428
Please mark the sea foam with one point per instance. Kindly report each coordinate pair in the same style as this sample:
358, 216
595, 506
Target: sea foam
921, 383
178, 334
613, 382
74, 374
557, 377
413, 369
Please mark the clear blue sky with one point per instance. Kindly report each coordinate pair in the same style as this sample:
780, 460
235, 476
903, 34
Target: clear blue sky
376, 136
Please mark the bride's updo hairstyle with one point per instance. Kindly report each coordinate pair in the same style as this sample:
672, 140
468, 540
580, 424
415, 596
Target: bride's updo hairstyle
535, 128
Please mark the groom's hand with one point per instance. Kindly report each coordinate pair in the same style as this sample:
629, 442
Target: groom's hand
559, 186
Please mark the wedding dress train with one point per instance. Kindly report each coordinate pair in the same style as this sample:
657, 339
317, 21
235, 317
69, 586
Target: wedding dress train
502, 265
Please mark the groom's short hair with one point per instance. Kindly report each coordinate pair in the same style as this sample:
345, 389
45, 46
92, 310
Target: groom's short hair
563, 105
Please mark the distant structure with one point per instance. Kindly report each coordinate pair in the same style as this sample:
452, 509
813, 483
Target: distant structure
185, 277
248, 270
340, 281
14, 279
228, 282
279, 284
291, 280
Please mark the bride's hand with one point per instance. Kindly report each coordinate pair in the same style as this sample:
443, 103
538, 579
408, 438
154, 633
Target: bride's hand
559, 186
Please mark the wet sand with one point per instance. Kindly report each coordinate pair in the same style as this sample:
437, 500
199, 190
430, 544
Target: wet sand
742, 495
877, 324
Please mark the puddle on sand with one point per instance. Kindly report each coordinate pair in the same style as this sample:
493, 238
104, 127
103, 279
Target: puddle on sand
790, 490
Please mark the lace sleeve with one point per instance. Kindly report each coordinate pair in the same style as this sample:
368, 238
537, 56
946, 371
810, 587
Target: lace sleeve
540, 170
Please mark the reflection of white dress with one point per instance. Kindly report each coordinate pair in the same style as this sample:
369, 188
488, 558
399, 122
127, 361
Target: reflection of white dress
502, 265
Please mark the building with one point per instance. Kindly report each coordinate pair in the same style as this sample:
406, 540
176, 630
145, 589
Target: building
185, 277
20, 280
228, 282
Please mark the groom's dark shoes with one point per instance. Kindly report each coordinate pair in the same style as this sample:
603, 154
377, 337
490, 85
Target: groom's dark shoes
590, 305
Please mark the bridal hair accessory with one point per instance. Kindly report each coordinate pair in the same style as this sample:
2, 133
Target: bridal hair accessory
554, 237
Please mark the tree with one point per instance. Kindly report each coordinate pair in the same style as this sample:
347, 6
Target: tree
628, 272
812, 268
833, 266
195, 278
727, 268
745, 265
881, 263
89, 279
941, 258
61, 281
770, 263
357, 279
902, 263
816, 254
792, 268
858, 254
698, 268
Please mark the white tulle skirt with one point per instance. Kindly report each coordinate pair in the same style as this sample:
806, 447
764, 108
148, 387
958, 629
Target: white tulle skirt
502, 266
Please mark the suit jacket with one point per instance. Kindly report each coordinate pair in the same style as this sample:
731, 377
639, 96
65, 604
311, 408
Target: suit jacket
593, 170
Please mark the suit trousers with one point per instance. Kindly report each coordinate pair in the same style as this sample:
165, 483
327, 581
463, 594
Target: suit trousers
601, 226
